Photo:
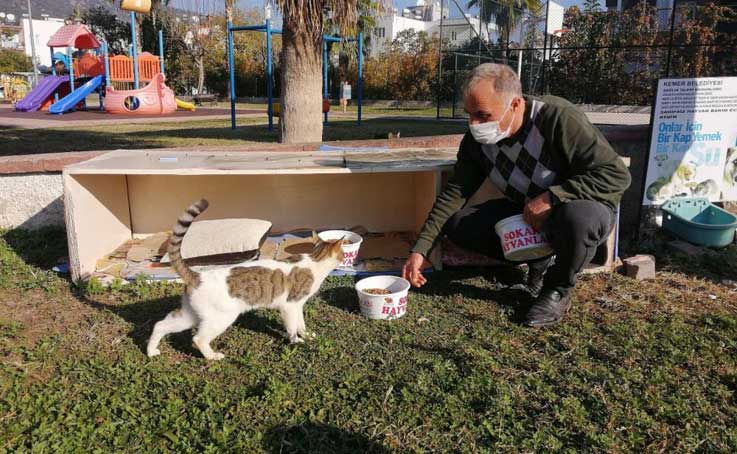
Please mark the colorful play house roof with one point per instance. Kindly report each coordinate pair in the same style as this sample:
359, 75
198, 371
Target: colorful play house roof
75, 35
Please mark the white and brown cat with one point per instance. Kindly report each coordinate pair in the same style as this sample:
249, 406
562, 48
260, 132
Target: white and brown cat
214, 298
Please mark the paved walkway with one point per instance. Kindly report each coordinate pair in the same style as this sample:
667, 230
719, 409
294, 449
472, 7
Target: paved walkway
93, 117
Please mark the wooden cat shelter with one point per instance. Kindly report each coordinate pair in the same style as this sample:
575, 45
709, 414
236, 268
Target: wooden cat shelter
132, 194
129, 194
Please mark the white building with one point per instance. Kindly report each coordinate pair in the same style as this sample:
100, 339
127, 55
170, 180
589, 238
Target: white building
10, 36
458, 31
42, 31
425, 16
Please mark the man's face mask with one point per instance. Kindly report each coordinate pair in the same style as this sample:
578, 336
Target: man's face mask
489, 133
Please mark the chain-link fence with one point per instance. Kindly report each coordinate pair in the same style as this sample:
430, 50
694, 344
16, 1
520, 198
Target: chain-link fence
604, 58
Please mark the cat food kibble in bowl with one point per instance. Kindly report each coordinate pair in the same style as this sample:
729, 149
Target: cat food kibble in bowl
382, 297
351, 243
377, 291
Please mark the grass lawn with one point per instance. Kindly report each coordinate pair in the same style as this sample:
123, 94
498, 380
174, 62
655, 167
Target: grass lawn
353, 109
205, 133
643, 367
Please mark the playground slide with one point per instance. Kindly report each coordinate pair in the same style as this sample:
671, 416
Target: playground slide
36, 97
69, 102
185, 105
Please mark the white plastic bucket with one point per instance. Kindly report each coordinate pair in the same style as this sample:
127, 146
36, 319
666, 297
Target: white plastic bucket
350, 246
520, 242
383, 307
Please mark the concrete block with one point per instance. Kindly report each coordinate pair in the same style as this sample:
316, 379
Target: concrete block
640, 267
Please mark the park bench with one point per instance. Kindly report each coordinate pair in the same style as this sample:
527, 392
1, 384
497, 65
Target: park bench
200, 100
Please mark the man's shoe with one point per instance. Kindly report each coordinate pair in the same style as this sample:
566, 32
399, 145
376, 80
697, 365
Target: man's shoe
549, 308
535, 276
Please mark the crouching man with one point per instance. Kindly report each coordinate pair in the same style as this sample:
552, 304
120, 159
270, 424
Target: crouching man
553, 167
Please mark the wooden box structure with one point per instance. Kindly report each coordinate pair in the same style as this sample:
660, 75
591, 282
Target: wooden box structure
135, 193
130, 194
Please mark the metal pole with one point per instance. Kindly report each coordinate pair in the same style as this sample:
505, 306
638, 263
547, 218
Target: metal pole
269, 78
545, 47
455, 91
53, 72
670, 40
325, 77
161, 51
104, 50
360, 76
440, 60
231, 65
134, 46
519, 64
33, 45
71, 68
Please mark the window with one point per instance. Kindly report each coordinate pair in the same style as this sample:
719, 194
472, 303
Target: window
380, 32
453, 36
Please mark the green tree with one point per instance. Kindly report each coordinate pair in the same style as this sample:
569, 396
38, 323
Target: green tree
613, 58
405, 70
14, 61
108, 25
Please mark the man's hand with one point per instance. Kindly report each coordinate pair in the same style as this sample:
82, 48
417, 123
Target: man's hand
412, 270
537, 211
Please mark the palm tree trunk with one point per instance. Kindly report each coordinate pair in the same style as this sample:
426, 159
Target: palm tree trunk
200, 73
301, 86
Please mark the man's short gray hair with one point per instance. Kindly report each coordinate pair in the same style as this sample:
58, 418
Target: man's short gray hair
504, 78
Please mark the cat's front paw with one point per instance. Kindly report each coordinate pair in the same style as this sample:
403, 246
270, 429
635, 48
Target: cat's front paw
153, 352
295, 339
217, 356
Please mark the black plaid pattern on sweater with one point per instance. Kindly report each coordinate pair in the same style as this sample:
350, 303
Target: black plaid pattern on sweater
520, 169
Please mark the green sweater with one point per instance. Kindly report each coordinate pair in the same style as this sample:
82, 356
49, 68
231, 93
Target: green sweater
557, 149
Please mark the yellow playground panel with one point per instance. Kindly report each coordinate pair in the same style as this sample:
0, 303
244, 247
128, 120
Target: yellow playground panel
14, 88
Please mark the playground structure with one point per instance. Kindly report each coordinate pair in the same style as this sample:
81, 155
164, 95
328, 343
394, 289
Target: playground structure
272, 108
116, 79
13, 88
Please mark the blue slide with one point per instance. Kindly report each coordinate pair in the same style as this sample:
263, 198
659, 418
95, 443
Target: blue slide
72, 99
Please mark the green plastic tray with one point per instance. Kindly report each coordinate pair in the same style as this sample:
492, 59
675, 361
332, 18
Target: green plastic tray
699, 221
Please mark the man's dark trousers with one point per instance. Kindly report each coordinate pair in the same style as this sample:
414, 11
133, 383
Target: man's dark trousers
575, 229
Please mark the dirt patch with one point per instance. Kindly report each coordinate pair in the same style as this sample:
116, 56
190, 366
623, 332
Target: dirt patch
40, 315
672, 293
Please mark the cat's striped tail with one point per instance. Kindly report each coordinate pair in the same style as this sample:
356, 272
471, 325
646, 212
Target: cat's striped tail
191, 278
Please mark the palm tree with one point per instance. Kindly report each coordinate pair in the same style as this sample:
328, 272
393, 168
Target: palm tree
505, 13
368, 13
301, 57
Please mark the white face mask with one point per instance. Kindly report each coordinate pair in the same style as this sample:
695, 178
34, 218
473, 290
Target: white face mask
489, 133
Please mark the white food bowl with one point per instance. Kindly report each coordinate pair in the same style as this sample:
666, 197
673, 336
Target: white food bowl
383, 307
350, 246
520, 242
